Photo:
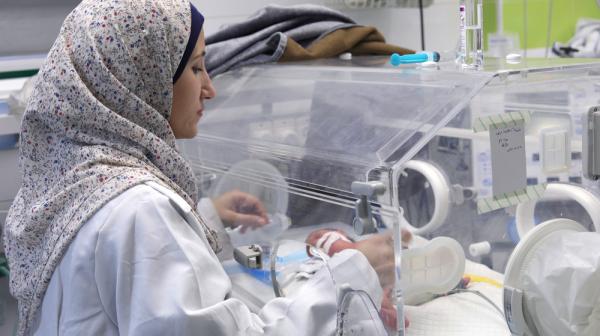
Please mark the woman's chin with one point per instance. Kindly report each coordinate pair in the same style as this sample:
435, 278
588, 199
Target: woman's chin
188, 134
191, 134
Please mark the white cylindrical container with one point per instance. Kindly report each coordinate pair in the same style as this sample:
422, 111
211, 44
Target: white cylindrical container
480, 249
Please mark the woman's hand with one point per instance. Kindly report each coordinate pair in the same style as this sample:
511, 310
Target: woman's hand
379, 250
238, 208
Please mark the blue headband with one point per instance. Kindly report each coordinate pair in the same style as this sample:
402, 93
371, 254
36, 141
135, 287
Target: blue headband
197, 22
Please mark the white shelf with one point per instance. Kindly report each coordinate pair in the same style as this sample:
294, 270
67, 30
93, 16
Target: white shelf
8, 86
21, 62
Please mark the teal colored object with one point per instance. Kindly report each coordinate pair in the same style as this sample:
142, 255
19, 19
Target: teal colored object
18, 73
426, 56
3, 266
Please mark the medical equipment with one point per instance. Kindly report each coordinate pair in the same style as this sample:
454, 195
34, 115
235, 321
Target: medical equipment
364, 222
421, 57
565, 303
249, 256
470, 51
591, 143
438, 182
589, 202
478, 278
376, 149
434, 268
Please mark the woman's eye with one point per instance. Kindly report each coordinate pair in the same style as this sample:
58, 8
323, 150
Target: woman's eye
197, 70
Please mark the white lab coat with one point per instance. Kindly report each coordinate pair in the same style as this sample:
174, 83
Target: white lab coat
138, 268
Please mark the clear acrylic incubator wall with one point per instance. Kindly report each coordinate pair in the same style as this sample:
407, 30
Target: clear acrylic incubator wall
467, 161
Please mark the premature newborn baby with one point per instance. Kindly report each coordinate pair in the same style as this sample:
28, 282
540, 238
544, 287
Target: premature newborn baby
332, 241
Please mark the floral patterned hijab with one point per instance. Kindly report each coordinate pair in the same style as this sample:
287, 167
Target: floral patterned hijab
95, 125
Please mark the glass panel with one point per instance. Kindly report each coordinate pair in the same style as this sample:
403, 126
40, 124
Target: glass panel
325, 127
297, 137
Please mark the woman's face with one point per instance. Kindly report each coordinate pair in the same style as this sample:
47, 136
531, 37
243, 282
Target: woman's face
189, 92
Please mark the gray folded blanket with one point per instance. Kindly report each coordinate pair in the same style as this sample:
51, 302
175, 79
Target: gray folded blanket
262, 38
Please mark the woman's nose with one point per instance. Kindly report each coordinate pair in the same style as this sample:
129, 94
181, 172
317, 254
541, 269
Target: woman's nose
208, 91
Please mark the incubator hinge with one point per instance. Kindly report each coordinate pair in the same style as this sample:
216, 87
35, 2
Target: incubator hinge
591, 144
363, 221
513, 312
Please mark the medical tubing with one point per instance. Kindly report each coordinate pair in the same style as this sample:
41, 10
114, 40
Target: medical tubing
276, 287
478, 278
315, 253
478, 293
344, 308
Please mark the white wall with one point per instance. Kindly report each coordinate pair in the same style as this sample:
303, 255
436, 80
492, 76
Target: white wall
34, 24
31, 26
399, 25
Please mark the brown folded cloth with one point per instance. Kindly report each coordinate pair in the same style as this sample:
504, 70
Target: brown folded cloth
359, 40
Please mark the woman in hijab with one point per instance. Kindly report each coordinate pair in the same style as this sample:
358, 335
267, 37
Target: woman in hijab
103, 237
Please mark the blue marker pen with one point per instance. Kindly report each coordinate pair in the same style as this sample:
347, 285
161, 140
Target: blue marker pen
426, 56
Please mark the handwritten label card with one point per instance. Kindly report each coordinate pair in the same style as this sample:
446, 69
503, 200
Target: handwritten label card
509, 169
